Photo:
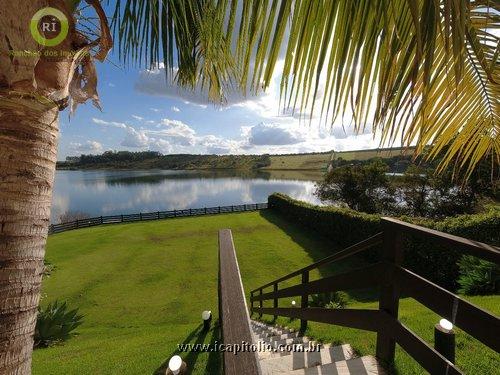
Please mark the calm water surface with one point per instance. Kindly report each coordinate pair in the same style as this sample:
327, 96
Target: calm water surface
103, 192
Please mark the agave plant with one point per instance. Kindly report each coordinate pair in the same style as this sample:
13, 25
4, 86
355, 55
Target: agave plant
55, 323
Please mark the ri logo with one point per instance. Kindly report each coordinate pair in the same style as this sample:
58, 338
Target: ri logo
49, 26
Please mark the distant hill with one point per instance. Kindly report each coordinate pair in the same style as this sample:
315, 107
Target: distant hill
287, 162
155, 160
320, 160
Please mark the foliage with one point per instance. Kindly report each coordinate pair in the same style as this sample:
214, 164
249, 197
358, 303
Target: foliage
152, 159
363, 188
55, 323
426, 194
425, 72
330, 300
478, 277
346, 227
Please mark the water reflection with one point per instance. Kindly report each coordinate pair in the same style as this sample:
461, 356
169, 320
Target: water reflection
116, 192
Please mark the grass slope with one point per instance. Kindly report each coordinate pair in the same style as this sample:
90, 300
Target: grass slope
142, 288
319, 161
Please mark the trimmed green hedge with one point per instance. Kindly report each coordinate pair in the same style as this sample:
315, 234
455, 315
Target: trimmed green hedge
346, 227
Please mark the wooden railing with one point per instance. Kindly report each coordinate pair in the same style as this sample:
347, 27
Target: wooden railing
233, 311
157, 215
392, 279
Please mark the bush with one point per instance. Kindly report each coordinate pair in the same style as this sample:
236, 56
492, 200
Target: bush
478, 276
346, 227
55, 324
330, 300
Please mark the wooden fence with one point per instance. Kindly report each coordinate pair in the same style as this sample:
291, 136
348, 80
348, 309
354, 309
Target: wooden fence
158, 215
392, 279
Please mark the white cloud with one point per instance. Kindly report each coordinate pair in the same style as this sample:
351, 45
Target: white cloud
135, 139
274, 134
88, 146
220, 146
139, 118
175, 109
154, 82
175, 131
111, 84
109, 123
154, 109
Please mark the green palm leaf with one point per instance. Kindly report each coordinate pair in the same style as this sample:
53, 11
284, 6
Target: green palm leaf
424, 72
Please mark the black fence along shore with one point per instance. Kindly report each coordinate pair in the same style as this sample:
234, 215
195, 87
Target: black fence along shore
158, 215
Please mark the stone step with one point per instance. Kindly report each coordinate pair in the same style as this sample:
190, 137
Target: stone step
299, 360
358, 366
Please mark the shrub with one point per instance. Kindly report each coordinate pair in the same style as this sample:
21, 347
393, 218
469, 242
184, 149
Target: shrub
330, 300
346, 227
55, 323
478, 276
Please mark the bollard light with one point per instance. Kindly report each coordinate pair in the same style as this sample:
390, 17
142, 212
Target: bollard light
444, 339
446, 324
176, 366
293, 303
207, 319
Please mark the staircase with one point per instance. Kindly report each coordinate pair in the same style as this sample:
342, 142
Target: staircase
309, 357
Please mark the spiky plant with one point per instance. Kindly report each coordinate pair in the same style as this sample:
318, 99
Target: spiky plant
55, 323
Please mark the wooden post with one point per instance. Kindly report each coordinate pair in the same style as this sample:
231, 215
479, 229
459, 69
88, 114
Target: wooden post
122, 218
260, 303
158, 214
304, 299
275, 301
392, 252
175, 213
140, 216
205, 210
219, 209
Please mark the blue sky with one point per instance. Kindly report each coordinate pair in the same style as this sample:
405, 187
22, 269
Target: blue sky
141, 111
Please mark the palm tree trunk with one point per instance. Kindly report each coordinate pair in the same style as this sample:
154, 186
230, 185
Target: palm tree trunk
28, 151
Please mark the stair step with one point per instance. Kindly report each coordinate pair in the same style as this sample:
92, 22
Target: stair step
358, 366
299, 360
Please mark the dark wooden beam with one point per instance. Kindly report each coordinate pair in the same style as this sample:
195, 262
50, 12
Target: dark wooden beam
233, 313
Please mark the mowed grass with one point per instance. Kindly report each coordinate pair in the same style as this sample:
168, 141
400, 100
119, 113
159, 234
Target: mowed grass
142, 288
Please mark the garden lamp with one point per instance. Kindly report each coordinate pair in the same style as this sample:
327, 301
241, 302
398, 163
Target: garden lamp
207, 319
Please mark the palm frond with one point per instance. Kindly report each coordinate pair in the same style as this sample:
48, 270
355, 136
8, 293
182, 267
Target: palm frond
425, 72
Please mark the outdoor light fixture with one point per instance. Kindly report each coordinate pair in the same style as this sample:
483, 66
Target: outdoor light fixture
207, 319
444, 339
176, 365
293, 303
446, 324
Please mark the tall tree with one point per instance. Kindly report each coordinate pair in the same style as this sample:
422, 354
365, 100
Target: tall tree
37, 80
425, 70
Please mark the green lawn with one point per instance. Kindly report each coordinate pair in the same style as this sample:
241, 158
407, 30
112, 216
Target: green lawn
142, 288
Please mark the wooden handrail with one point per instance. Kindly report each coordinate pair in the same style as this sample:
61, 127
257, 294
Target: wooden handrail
233, 311
393, 279
347, 252
464, 245
371, 275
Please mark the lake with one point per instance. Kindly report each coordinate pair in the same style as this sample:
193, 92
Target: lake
111, 192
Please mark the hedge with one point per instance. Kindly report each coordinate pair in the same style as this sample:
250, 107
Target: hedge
346, 227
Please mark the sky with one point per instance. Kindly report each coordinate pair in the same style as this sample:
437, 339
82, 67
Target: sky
142, 111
